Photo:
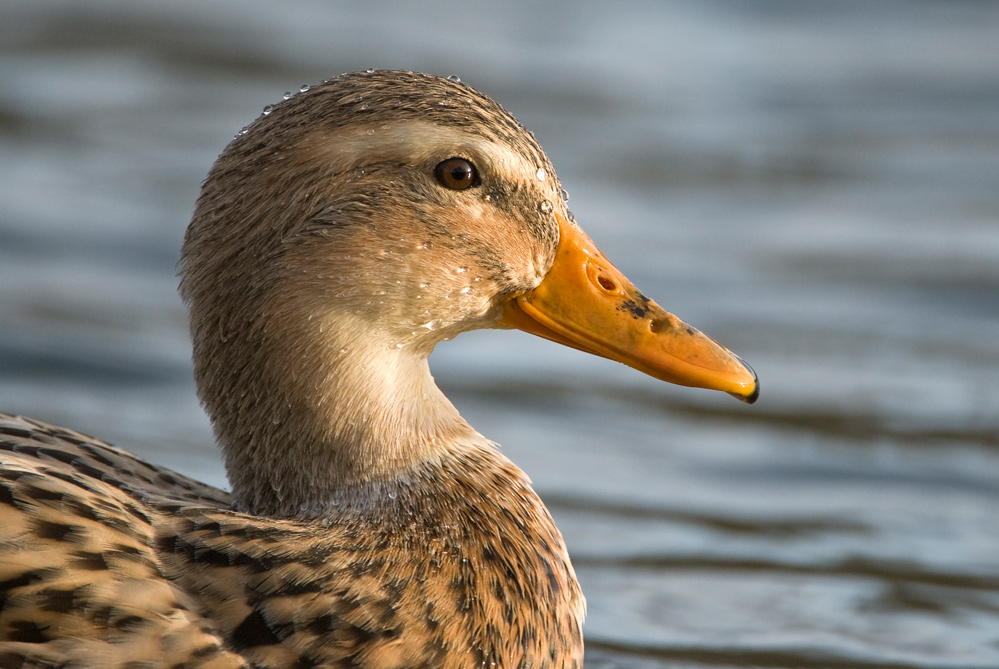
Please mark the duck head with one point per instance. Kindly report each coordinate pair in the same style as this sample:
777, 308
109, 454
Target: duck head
346, 232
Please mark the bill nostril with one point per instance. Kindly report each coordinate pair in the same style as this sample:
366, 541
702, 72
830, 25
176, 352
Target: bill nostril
607, 284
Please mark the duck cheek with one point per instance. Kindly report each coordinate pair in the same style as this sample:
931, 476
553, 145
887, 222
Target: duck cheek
450, 312
463, 307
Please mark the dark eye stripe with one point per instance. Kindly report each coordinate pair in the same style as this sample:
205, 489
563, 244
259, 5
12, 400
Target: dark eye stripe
456, 174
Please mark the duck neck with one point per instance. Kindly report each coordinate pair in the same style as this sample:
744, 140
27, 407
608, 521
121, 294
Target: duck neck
340, 418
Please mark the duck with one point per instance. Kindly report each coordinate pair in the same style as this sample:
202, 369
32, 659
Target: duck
336, 241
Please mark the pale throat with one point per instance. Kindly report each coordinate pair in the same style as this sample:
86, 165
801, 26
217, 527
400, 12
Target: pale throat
364, 409
384, 407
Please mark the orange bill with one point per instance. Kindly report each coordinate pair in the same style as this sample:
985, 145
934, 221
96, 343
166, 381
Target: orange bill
587, 303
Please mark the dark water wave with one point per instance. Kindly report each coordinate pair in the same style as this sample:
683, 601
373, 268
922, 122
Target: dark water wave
611, 655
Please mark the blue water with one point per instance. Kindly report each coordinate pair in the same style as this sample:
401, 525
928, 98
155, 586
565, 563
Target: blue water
814, 184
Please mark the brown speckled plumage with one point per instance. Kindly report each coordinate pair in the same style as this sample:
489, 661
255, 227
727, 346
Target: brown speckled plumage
369, 525
108, 561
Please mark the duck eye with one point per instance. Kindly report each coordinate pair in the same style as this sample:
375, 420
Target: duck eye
456, 174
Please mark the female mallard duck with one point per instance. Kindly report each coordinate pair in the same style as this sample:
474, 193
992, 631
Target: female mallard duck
336, 241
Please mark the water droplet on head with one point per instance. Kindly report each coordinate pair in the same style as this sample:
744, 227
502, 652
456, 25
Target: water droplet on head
358, 172
461, 270
455, 78
546, 207
371, 131
466, 290
393, 495
565, 195
268, 109
326, 522
303, 88
370, 70
541, 175
287, 95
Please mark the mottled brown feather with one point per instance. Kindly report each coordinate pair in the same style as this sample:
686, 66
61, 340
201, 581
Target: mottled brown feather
449, 580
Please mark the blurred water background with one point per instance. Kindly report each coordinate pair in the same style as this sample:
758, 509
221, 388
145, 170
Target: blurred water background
814, 184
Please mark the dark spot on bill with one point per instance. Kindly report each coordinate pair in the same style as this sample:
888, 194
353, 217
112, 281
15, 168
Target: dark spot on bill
636, 310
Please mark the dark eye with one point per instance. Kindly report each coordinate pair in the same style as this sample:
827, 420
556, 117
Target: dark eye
456, 174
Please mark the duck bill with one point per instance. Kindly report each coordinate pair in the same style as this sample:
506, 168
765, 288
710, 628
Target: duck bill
586, 303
